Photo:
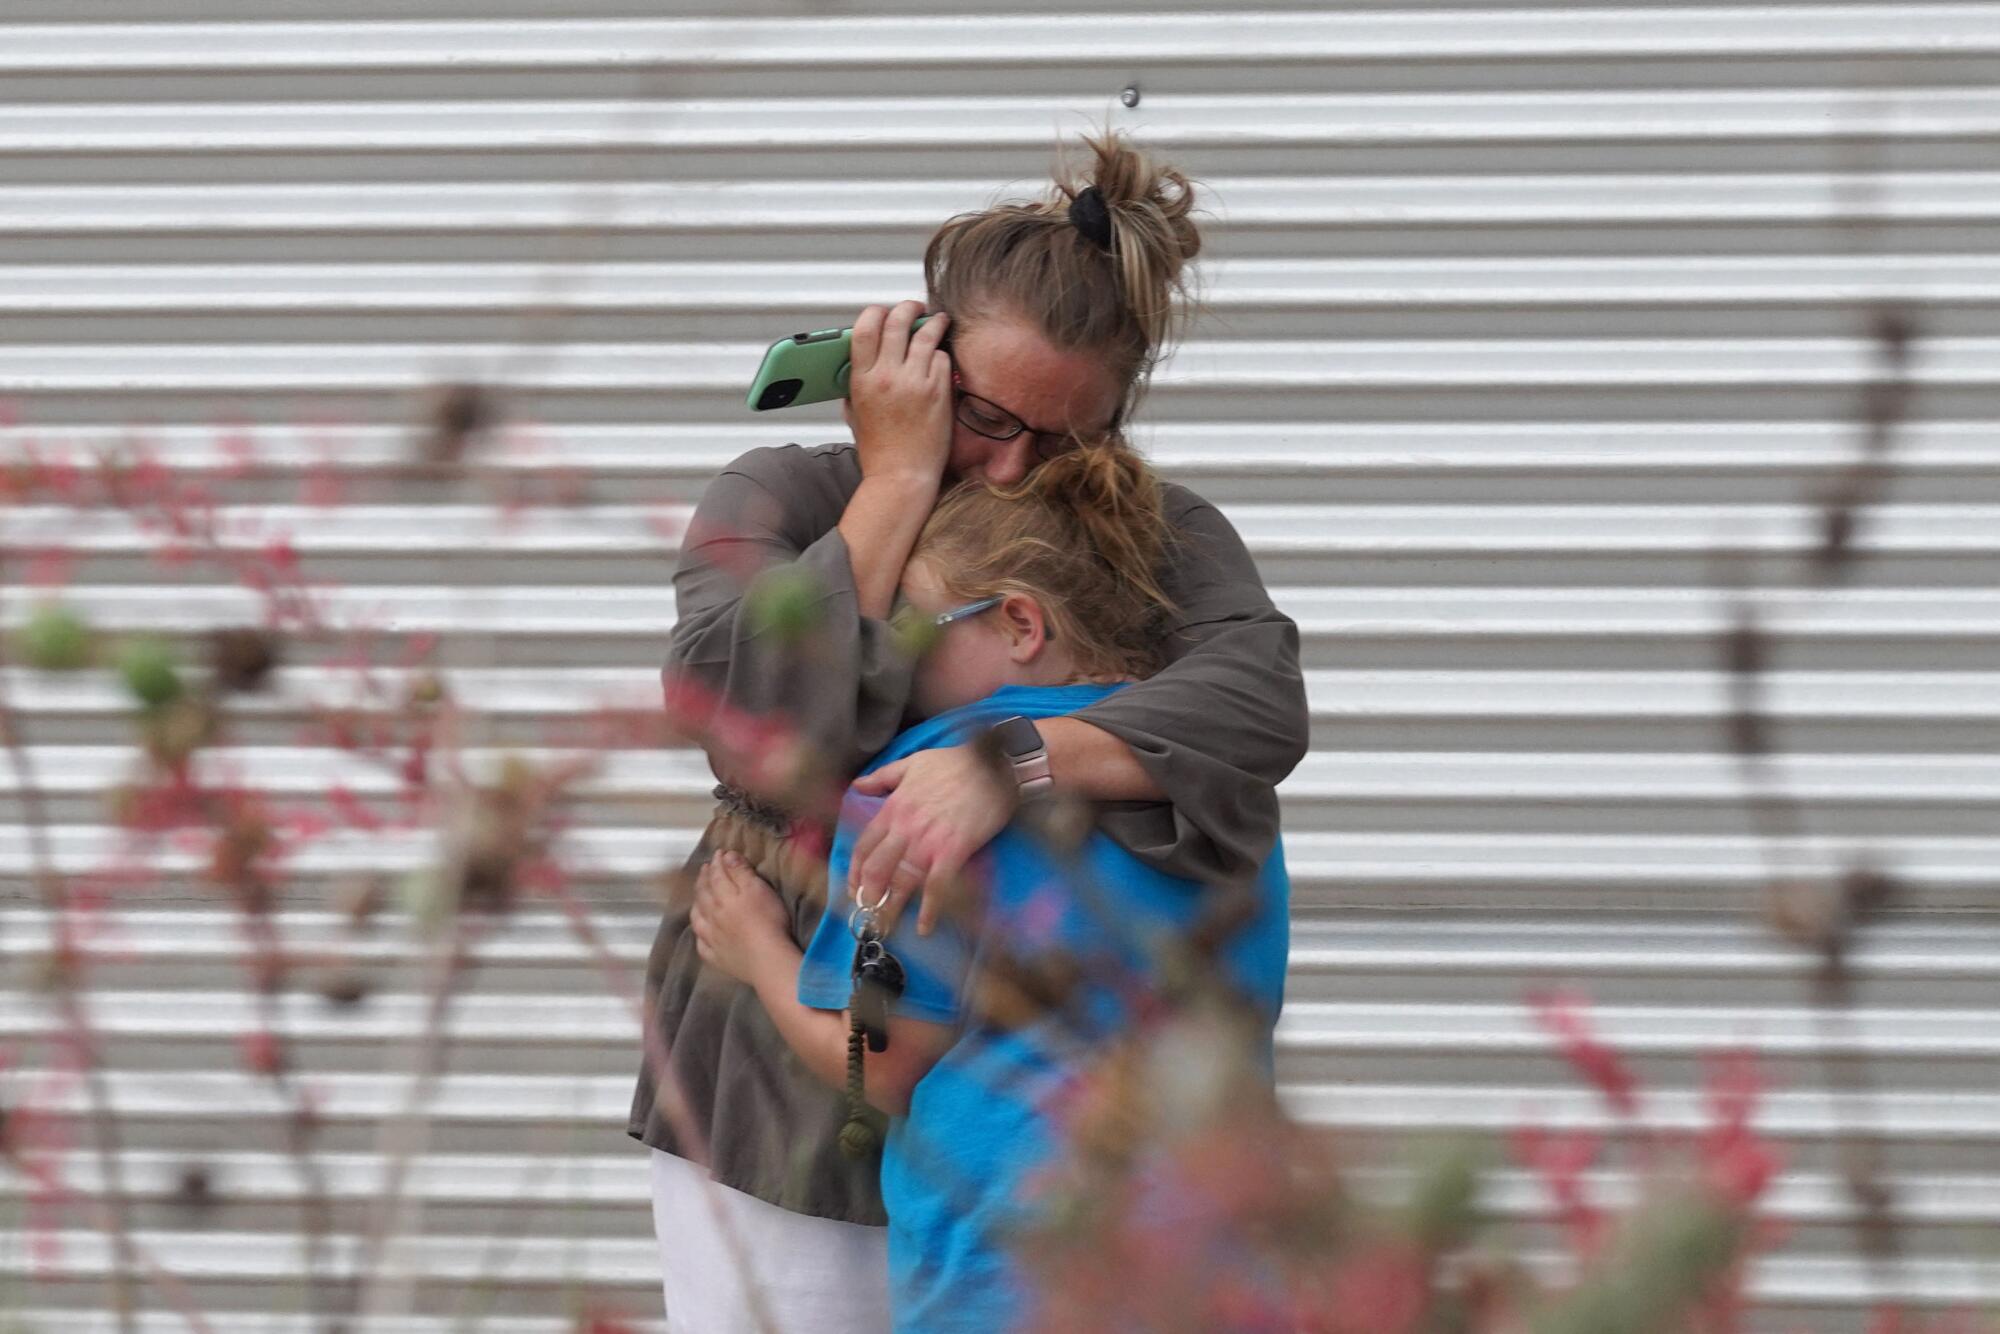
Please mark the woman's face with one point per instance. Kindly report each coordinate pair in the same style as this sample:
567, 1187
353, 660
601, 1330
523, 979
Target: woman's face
970, 659
1005, 360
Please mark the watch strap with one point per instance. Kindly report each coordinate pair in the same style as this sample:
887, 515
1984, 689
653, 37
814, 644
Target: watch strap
1021, 742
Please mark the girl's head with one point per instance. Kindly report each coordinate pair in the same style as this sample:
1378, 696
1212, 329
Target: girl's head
1070, 554
1051, 325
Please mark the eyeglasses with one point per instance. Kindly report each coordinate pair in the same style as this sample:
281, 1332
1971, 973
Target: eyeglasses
944, 618
989, 419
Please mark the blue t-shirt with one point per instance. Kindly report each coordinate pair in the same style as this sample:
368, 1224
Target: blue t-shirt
956, 1169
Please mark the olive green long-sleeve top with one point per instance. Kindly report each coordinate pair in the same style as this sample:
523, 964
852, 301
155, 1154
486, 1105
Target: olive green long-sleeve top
1217, 728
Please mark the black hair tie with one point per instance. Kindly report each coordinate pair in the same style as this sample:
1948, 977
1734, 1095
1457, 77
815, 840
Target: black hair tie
1092, 216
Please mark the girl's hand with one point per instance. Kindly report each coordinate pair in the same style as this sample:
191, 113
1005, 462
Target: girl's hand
944, 805
739, 922
899, 393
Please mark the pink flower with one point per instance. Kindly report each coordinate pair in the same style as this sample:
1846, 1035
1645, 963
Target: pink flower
352, 811
1565, 1015
261, 1052
1736, 1162
1560, 1159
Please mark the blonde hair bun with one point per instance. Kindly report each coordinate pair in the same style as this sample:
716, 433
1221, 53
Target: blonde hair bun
1126, 302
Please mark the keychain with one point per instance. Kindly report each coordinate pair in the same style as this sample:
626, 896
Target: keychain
878, 982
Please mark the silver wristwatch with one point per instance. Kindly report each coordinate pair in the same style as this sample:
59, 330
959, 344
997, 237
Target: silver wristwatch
1022, 745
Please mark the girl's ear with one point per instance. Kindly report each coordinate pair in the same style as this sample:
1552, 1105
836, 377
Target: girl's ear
1024, 624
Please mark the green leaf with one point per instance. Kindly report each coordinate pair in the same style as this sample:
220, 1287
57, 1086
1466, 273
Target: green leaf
786, 602
54, 639
915, 632
1443, 1204
150, 671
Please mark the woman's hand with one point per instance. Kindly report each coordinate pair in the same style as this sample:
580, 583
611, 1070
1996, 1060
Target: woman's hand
944, 805
899, 393
739, 922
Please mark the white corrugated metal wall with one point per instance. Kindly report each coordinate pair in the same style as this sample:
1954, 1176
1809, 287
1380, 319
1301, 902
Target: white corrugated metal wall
1516, 314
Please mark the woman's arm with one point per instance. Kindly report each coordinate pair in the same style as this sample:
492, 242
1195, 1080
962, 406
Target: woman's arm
740, 929
1194, 752
900, 412
765, 529
880, 526
1223, 723
790, 564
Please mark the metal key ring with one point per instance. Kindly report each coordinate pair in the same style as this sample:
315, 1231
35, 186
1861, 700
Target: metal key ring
874, 907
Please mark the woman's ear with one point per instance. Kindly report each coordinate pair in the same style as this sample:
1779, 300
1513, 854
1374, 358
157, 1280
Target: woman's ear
1025, 625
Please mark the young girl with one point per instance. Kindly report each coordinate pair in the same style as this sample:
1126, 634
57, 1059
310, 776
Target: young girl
1045, 604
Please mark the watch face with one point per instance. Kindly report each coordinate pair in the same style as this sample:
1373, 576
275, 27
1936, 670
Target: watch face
1017, 736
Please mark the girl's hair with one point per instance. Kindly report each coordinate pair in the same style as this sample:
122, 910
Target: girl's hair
1082, 534
1125, 304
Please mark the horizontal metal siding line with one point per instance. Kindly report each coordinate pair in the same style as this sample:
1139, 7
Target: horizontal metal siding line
1598, 858
1612, 611
1801, 1198
761, 208
1338, 960
1576, 791
1784, 1281
470, 532
782, 288
536, 1273
1937, 1127
647, 612
1510, 950
255, 1260
1941, 1130
445, 1179
571, 1177
1894, 1038
1353, 959
556, 694
72, 1321
193, 1015
121, 11
57, 1321
1300, 364
199, 939
974, 124
629, 858
499, 1024
228, 1100
633, 857
695, 453
193, 940
1822, 1287
1898, 779
1241, 37
1571, 694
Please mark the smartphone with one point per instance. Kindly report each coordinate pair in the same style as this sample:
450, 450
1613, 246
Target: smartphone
806, 368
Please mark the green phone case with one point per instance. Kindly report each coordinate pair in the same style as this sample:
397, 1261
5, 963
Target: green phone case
805, 368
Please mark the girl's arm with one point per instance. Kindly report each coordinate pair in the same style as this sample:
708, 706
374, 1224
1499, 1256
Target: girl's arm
740, 928
1184, 765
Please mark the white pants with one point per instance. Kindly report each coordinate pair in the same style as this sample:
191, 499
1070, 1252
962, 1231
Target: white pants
817, 1275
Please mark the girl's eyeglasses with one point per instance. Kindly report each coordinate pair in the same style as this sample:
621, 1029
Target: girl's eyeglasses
944, 618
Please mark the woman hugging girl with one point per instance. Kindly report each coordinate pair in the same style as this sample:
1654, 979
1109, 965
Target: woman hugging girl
1044, 602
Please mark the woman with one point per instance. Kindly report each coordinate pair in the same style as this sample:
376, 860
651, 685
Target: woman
1057, 311
1042, 593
